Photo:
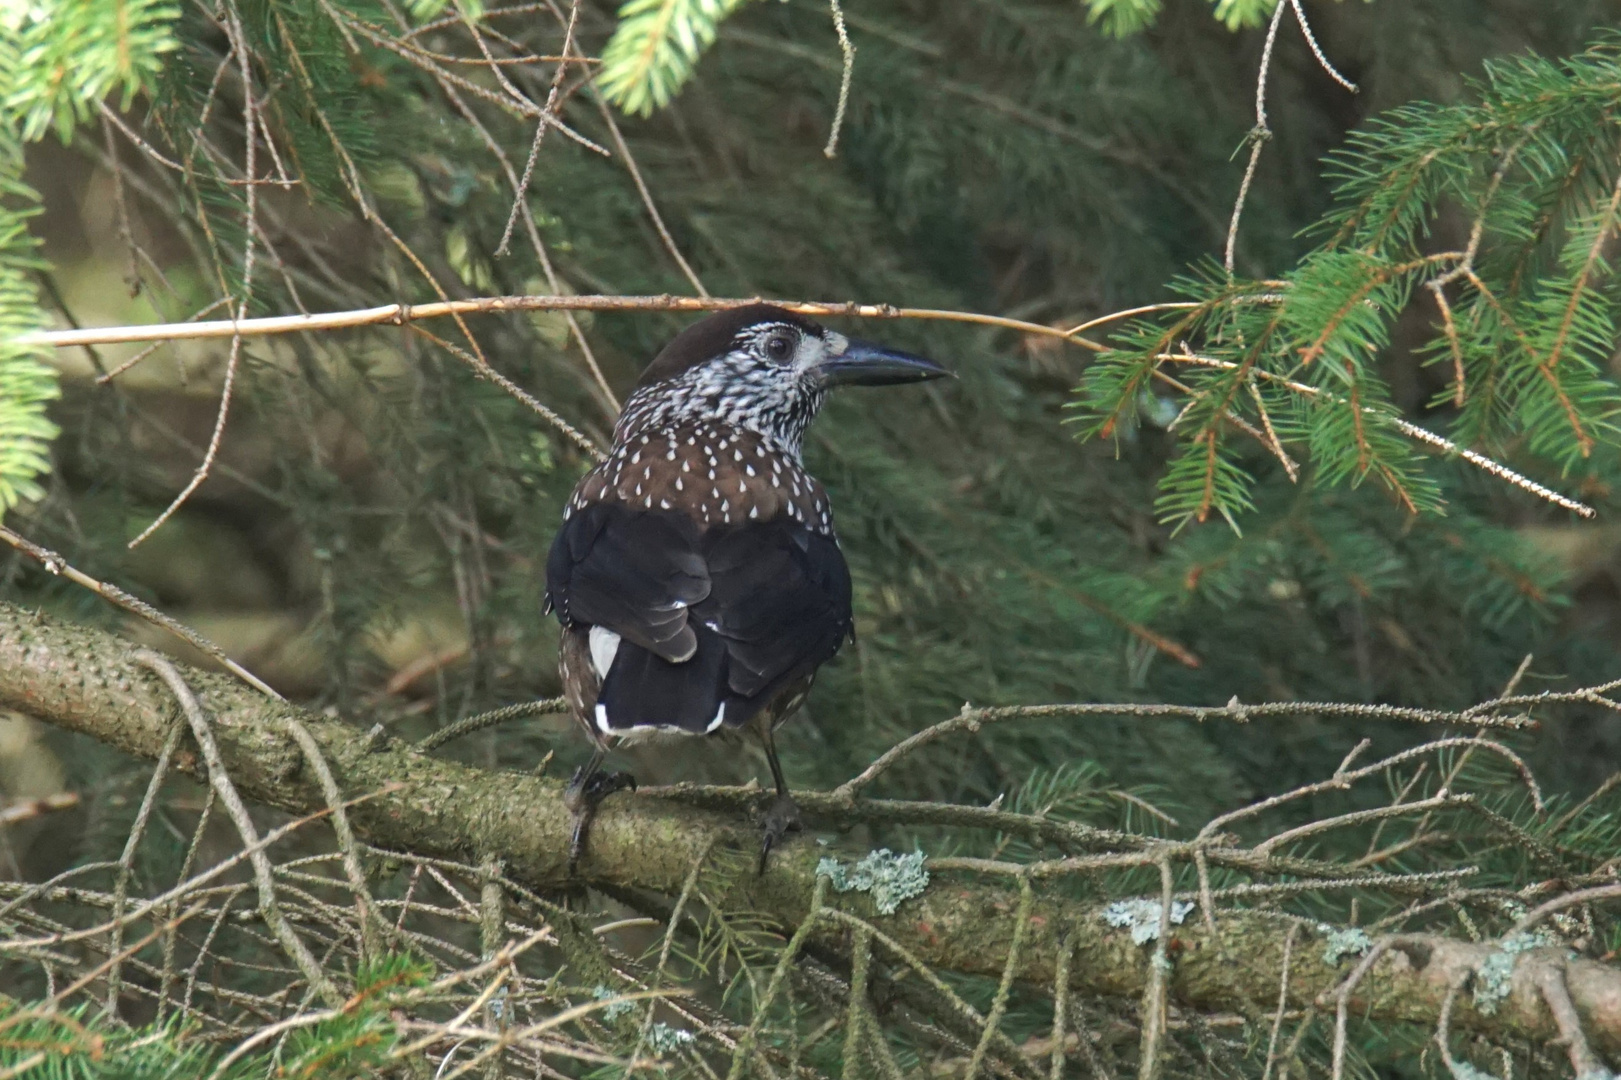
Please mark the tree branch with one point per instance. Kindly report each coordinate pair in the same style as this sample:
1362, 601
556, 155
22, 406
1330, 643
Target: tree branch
91, 682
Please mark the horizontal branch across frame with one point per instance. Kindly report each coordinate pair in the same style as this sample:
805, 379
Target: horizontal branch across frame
92, 682
399, 314
403, 314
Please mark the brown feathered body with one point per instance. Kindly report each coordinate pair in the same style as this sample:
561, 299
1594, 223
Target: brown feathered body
717, 482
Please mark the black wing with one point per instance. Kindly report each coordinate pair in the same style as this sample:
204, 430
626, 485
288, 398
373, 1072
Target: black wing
635, 573
774, 605
780, 600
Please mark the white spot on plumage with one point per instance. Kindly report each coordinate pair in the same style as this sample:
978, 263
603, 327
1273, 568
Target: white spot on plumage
720, 716
604, 647
754, 512
664, 504
749, 469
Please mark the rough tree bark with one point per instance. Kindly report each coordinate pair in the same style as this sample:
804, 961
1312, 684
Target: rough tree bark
86, 680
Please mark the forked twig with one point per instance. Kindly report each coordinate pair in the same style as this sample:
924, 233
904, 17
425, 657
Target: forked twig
238, 811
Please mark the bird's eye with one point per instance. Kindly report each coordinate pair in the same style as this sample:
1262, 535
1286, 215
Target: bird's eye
779, 347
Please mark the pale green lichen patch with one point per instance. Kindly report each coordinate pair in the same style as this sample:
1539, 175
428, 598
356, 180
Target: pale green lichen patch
888, 877
1494, 977
665, 1039
1339, 944
1142, 916
616, 1006
1465, 1070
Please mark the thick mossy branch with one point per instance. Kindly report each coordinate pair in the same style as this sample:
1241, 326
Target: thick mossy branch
89, 681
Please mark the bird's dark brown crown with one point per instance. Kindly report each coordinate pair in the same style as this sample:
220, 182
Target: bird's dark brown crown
714, 336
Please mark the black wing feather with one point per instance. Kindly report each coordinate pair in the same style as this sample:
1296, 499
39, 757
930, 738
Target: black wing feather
781, 599
729, 617
635, 573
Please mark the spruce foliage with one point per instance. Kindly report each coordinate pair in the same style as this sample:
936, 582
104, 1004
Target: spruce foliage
1231, 499
57, 64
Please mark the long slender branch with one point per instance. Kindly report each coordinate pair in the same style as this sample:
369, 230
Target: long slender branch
88, 681
399, 314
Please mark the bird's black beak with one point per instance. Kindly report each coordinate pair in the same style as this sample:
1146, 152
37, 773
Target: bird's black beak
863, 363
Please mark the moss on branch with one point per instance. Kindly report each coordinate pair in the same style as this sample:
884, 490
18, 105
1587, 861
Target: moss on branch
89, 681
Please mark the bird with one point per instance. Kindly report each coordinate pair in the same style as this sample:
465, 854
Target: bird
697, 575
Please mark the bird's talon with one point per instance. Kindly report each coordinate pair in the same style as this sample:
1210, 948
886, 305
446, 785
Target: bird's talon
582, 797
780, 820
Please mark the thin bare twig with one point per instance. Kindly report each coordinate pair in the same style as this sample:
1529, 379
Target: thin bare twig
237, 809
1556, 995
1283, 1002
1159, 973
1257, 137
56, 564
1317, 50
250, 214
848, 52
399, 314
540, 128
126, 861
1066, 956
647, 195
1021, 928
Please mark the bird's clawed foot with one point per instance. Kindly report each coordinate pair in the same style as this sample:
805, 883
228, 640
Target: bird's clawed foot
780, 820
582, 796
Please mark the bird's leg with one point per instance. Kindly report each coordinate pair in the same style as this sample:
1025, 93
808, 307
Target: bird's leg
783, 816
585, 791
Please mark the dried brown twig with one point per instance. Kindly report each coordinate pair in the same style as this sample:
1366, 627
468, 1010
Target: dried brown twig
402, 314
398, 314
56, 564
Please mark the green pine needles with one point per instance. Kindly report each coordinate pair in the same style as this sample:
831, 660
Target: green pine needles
27, 382
655, 47
1521, 314
355, 1040
657, 43
1122, 17
57, 63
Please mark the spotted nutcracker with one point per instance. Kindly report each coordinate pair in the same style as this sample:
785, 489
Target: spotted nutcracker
697, 575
